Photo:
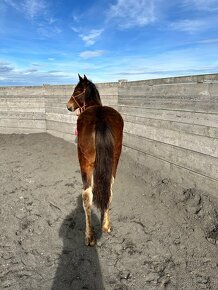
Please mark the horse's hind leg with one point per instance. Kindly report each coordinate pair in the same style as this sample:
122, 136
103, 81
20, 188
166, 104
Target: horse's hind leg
87, 204
106, 224
87, 195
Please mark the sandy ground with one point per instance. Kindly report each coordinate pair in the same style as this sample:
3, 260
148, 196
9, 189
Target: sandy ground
164, 236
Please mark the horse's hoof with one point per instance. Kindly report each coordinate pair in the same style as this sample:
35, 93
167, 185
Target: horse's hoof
106, 229
90, 241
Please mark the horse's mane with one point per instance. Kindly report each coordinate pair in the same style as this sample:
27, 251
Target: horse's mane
92, 93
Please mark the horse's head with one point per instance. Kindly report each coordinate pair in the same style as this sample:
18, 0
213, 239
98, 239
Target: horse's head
77, 99
85, 94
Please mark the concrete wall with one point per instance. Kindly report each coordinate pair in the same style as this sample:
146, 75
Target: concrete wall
59, 121
22, 110
43, 109
171, 125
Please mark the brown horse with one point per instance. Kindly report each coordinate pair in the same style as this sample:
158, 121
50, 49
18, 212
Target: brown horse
100, 134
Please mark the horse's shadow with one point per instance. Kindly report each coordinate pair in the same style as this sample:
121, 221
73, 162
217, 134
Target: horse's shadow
78, 266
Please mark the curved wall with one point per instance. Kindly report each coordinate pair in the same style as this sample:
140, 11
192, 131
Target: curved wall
171, 125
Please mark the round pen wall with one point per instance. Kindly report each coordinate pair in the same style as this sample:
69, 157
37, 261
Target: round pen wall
171, 124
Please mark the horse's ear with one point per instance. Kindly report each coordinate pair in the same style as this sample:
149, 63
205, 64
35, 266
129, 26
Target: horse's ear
80, 78
85, 78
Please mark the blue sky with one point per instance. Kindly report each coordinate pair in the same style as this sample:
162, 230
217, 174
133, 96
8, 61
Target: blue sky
50, 41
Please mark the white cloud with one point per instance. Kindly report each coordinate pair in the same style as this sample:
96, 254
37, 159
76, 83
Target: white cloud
190, 26
45, 30
34, 7
208, 41
173, 63
91, 53
75, 18
5, 68
92, 36
11, 74
13, 4
208, 5
31, 8
37, 11
130, 13
30, 71
75, 29
52, 20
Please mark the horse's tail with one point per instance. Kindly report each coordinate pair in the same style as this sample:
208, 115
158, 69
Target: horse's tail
102, 176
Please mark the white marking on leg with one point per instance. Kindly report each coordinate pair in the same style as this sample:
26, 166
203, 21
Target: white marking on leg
111, 196
87, 203
89, 193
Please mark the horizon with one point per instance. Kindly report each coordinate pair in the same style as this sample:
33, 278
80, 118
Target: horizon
108, 82
50, 42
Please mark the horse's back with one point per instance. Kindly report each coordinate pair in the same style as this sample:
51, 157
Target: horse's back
94, 115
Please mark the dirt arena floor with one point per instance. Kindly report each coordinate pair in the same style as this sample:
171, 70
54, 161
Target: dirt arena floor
164, 236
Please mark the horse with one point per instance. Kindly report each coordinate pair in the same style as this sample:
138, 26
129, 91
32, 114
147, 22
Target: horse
99, 145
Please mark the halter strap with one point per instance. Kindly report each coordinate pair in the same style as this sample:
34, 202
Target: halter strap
74, 98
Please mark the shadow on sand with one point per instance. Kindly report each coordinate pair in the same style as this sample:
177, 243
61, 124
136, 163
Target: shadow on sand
79, 266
